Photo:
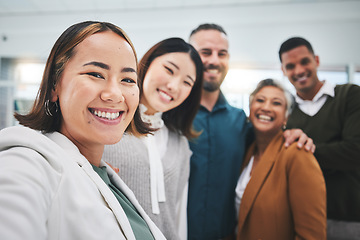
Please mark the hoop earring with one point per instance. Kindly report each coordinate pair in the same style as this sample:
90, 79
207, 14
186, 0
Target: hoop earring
48, 109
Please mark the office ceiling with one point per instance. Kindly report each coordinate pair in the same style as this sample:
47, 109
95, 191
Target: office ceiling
45, 7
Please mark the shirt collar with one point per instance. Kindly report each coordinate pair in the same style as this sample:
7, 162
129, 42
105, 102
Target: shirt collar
221, 103
155, 121
327, 88
102, 173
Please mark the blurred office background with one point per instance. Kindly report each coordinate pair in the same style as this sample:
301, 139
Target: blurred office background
256, 28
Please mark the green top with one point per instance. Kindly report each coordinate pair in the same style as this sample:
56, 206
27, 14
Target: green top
140, 228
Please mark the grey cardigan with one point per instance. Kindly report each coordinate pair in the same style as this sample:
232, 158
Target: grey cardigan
131, 157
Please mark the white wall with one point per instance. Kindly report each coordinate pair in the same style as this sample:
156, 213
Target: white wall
255, 30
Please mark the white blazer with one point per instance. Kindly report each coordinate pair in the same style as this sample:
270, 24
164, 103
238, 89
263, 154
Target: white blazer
48, 190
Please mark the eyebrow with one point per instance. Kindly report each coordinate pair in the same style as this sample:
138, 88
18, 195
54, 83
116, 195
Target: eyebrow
107, 67
191, 78
98, 64
279, 99
177, 67
128, 69
173, 64
275, 98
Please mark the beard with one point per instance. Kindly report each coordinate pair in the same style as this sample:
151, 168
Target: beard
213, 83
211, 86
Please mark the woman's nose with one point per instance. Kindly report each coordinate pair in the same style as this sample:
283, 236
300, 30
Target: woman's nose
173, 84
266, 105
112, 93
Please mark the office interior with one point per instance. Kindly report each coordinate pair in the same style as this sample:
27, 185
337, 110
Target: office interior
255, 28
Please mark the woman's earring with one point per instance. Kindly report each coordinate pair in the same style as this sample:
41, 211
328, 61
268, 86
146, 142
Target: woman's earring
48, 108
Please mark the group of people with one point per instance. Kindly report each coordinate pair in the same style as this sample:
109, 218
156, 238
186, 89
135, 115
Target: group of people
115, 149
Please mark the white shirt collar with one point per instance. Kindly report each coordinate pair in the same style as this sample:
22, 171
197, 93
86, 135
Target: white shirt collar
155, 120
312, 107
327, 88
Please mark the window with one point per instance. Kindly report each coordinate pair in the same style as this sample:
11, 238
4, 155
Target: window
356, 79
28, 77
19, 83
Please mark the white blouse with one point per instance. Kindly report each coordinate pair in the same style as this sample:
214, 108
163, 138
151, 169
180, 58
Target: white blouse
242, 183
156, 145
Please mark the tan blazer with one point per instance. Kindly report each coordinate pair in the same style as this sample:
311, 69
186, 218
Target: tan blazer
285, 197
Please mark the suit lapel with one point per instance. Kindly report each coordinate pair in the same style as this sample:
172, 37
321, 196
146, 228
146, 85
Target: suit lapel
102, 187
258, 176
110, 199
119, 183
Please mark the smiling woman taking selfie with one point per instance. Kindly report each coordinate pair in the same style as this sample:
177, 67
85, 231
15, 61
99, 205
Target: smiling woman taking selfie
53, 184
281, 191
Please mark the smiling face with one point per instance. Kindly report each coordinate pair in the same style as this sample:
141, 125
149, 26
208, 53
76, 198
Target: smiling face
268, 111
98, 92
168, 82
300, 66
212, 47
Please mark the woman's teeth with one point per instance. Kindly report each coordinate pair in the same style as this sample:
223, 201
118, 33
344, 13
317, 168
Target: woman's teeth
165, 95
107, 115
264, 117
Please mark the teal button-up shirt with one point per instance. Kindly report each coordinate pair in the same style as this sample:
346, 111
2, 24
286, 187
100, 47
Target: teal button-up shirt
214, 170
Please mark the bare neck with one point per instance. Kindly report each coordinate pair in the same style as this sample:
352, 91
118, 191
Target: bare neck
310, 94
209, 99
94, 155
262, 140
261, 144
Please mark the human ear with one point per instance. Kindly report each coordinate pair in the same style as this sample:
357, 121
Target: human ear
54, 95
317, 60
283, 70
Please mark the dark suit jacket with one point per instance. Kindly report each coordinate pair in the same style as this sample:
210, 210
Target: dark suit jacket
285, 197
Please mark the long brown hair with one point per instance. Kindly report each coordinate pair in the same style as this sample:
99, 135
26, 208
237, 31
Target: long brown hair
39, 117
